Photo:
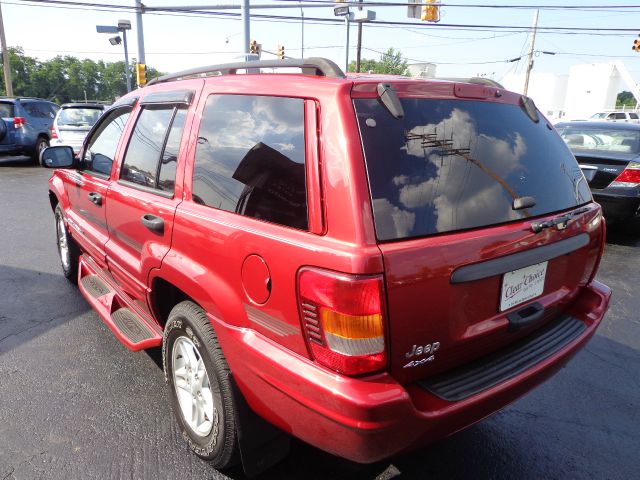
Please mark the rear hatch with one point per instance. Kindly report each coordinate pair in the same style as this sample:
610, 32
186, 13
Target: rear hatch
456, 184
603, 152
73, 123
6, 130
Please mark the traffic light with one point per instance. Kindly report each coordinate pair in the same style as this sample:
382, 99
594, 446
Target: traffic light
281, 52
253, 47
141, 74
636, 44
430, 11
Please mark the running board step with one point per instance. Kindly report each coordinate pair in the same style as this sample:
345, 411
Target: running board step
94, 286
131, 325
133, 328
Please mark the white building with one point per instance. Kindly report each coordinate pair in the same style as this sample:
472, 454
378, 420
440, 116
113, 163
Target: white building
585, 90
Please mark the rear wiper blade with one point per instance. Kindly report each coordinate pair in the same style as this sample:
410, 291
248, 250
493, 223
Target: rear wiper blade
559, 222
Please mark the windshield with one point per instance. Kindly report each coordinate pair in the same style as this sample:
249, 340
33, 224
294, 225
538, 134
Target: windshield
581, 137
456, 164
79, 117
6, 110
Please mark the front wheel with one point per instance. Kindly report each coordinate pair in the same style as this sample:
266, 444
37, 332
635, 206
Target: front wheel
198, 377
67, 248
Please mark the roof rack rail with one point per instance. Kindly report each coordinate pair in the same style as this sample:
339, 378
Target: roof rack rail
310, 66
477, 80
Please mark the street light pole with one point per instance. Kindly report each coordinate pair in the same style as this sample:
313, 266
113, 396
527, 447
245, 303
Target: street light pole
127, 73
140, 33
5, 59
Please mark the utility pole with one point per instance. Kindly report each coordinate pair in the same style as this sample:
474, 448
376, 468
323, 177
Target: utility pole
139, 31
359, 46
531, 47
246, 28
5, 58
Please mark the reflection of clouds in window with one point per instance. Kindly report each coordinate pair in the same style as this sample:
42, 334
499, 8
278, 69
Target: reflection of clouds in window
445, 145
391, 221
243, 121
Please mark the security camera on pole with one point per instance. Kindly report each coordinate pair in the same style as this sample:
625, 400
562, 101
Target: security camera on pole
123, 26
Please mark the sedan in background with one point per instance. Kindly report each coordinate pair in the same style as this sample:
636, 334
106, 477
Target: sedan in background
73, 122
609, 156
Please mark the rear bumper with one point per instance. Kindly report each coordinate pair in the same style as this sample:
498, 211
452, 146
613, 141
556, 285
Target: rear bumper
618, 205
372, 418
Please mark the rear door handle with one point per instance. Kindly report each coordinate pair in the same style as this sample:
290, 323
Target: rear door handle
153, 223
525, 316
95, 197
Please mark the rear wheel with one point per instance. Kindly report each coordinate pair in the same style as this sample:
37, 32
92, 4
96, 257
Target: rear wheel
67, 248
199, 379
41, 144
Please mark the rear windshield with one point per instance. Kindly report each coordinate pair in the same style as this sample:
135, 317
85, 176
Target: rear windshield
6, 110
582, 137
450, 165
79, 117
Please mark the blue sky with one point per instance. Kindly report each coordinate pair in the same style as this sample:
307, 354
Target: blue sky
178, 41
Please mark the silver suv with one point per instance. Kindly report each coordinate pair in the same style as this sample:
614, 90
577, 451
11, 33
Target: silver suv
73, 122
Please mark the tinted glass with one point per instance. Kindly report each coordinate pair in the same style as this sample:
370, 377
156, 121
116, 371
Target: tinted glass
250, 158
103, 143
452, 164
633, 115
620, 116
583, 137
6, 110
167, 176
145, 147
78, 117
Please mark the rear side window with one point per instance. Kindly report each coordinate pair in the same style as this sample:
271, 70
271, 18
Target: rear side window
153, 149
634, 116
250, 158
6, 110
452, 164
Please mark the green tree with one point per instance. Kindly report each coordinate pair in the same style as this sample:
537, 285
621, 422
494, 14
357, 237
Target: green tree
625, 99
391, 62
66, 78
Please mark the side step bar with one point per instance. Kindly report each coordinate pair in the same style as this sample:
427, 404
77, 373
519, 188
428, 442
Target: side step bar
129, 326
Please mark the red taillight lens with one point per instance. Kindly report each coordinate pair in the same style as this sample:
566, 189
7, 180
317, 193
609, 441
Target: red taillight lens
630, 176
343, 319
19, 122
54, 134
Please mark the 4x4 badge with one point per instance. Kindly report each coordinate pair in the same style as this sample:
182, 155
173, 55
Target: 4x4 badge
418, 350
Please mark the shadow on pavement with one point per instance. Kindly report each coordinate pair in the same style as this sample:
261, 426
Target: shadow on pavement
20, 161
32, 302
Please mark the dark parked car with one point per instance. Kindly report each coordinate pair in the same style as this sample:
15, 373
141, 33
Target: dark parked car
609, 156
25, 125
367, 263
73, 122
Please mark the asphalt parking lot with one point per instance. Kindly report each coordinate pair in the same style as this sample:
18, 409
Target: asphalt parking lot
76, 404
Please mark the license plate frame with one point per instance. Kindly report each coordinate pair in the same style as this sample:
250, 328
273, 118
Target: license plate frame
522, 285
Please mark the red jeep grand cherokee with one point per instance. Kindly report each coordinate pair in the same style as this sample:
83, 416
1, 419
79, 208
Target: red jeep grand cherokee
366, 263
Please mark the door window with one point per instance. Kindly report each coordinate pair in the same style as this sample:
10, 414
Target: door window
152, 153
250, 158
98, 158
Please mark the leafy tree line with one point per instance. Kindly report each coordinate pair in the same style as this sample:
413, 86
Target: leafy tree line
625, 99
66, 78
391, 62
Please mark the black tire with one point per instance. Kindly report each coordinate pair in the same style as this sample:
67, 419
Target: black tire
41, 144
189, 327
69, 256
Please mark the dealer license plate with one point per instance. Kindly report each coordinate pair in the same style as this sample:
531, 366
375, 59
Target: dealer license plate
522, 285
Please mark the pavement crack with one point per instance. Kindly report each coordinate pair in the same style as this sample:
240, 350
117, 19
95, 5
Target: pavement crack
9, 474
35, 325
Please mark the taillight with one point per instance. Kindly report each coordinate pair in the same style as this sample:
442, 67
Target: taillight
630, 176
19, 122
54, 134
343, 319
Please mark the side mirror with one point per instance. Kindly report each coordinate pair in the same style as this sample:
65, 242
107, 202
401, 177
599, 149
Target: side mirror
57, 157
